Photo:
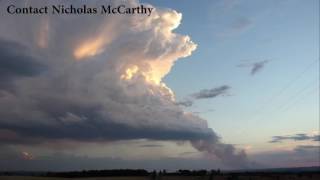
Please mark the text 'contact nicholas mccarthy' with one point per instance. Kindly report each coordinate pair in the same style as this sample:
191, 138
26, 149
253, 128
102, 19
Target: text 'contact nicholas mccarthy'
81, 10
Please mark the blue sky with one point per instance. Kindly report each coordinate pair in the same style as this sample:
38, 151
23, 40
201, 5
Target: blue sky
283, 97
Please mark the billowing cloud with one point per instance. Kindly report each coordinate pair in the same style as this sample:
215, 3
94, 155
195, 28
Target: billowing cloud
255, 67
229, 154
211, 93
296, 137
103, 81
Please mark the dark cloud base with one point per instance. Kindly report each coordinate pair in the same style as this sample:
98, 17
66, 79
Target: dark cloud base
98, 131
16, 61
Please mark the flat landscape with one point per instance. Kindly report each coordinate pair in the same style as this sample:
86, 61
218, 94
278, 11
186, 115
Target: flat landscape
218, 177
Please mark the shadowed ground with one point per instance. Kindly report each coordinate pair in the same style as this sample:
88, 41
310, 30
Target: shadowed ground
218, 177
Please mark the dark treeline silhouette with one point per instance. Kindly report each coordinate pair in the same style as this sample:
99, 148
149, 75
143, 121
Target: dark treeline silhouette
302, 173
203, 172
100, 173
131, 172
273, 175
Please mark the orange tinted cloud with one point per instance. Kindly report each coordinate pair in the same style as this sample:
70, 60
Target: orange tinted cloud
89, 48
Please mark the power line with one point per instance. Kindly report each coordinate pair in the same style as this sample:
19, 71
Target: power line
289, 84
297, 94
300, 99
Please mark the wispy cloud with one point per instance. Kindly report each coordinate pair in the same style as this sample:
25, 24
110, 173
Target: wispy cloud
296, 137
185, 103
151, 145
302, 155
202, 112
237, 26
258, 66
255, 67
211, 93
204, 94
304, 148
188, 153
241, 24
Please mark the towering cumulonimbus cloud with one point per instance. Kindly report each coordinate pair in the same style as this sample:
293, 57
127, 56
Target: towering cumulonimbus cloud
102, 80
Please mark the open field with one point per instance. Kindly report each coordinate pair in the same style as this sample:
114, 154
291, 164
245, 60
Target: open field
218, 177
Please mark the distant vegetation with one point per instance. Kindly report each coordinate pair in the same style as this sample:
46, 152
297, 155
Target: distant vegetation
135, 174
115, 173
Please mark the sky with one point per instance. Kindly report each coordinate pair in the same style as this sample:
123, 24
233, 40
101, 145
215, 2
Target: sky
227, 84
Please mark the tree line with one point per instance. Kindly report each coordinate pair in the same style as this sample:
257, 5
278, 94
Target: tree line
131, 172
